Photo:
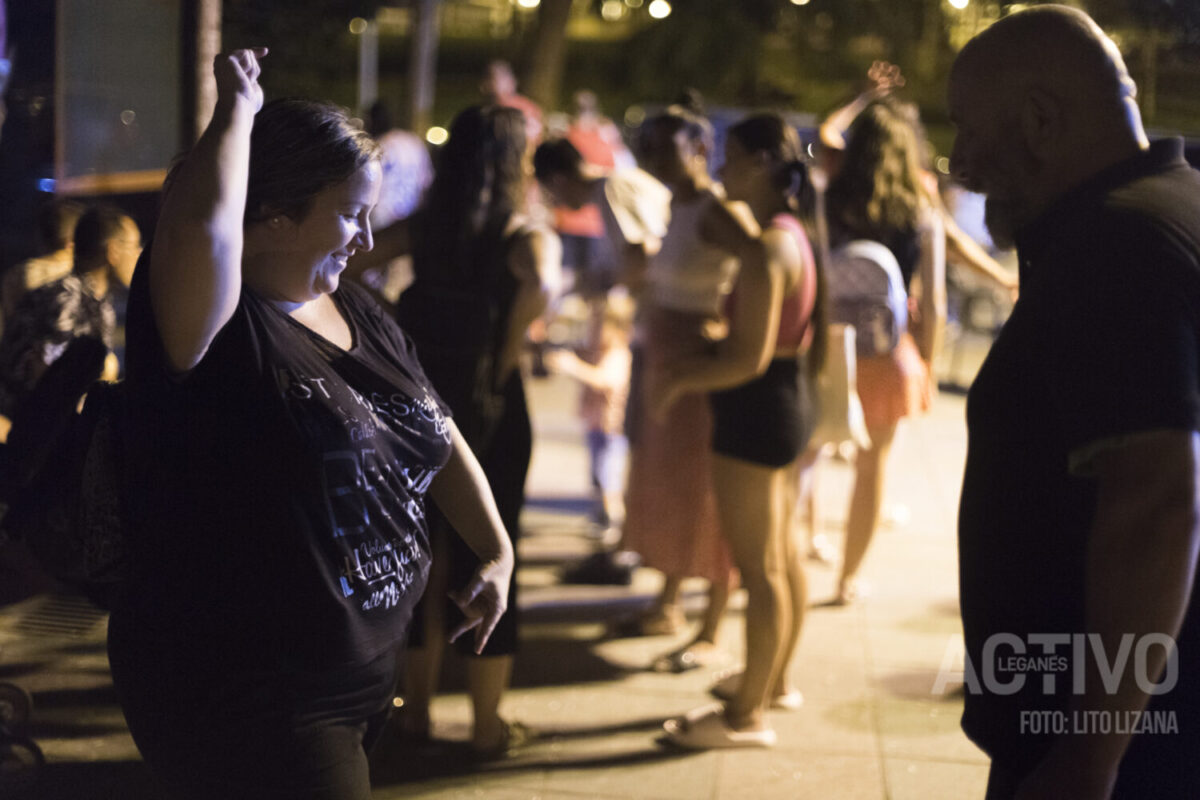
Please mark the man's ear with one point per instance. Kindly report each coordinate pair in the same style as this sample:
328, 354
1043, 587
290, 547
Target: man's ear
1041, 122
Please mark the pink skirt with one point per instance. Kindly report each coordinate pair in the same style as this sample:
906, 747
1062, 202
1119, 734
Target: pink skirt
895, 385
671, 510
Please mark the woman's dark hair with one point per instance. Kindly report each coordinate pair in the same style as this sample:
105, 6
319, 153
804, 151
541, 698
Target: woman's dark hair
556, 157
676, 118
877, 192
297, 149
478, 186
771, 135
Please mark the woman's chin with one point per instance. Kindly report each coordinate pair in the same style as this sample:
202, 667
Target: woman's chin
327, 283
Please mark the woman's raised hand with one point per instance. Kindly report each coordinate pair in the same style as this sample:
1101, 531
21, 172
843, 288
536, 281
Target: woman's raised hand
237, 76
884, 77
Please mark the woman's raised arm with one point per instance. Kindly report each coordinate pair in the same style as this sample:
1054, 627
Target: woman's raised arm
196, 261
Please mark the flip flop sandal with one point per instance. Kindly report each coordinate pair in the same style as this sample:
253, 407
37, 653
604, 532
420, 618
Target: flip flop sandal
685, 659
705, 729
516, 736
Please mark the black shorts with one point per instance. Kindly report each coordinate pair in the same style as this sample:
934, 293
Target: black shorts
769, 420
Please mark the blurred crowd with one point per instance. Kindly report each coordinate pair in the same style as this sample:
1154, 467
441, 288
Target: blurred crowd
732, 317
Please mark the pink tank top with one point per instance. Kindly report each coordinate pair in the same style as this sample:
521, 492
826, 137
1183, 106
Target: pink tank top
795, 318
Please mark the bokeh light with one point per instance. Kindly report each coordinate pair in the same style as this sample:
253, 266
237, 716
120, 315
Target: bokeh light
660, 9
612, 10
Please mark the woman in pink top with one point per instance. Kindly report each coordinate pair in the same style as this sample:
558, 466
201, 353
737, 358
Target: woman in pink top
760, 382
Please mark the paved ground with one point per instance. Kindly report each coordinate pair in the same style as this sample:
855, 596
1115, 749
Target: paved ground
871, 727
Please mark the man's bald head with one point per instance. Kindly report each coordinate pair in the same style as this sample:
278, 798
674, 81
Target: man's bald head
1057, 49
1042, 100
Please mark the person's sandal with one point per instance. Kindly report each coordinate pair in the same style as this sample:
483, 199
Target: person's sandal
686, 658
516, 736
706, 729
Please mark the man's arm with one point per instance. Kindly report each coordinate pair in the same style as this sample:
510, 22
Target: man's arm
1141, 563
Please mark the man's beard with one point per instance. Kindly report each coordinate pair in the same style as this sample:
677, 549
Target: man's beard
1001, 218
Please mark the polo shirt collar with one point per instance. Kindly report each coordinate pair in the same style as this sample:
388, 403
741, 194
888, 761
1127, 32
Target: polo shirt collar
1162, 154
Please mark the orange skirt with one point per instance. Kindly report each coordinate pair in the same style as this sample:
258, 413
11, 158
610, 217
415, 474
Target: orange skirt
895, 385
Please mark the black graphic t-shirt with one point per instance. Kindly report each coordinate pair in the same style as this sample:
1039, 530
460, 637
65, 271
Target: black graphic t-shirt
279, 487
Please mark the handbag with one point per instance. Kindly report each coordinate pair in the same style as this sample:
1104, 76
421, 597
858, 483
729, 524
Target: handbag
839, 411
866, 290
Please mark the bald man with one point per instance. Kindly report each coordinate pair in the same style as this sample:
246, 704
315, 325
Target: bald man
1078, 533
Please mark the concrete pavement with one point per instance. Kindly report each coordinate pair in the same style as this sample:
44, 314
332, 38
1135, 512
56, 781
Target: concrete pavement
871, 726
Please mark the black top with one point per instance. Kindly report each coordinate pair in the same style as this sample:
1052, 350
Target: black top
1103, 342
279, 488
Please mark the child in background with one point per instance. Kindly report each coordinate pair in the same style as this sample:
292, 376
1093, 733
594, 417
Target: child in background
604, 373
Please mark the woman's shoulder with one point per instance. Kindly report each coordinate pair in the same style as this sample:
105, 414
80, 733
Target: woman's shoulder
531, 241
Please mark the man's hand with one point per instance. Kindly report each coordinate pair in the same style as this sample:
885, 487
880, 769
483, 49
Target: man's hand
237, 76
483, 601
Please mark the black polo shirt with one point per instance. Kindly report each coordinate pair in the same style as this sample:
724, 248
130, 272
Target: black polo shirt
1103, 342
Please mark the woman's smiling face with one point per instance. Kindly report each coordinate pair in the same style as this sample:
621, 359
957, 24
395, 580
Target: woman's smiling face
337, 225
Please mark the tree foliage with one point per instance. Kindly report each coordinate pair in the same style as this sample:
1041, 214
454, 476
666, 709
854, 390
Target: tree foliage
312, 49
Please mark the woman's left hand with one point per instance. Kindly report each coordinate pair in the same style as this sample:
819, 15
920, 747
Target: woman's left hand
661, 395
483, 600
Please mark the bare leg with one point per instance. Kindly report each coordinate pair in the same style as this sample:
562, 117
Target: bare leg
666, 616
751, 501
487, 679
718, 601
865, 503
793, 554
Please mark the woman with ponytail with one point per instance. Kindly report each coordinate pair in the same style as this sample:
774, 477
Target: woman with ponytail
760, 385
